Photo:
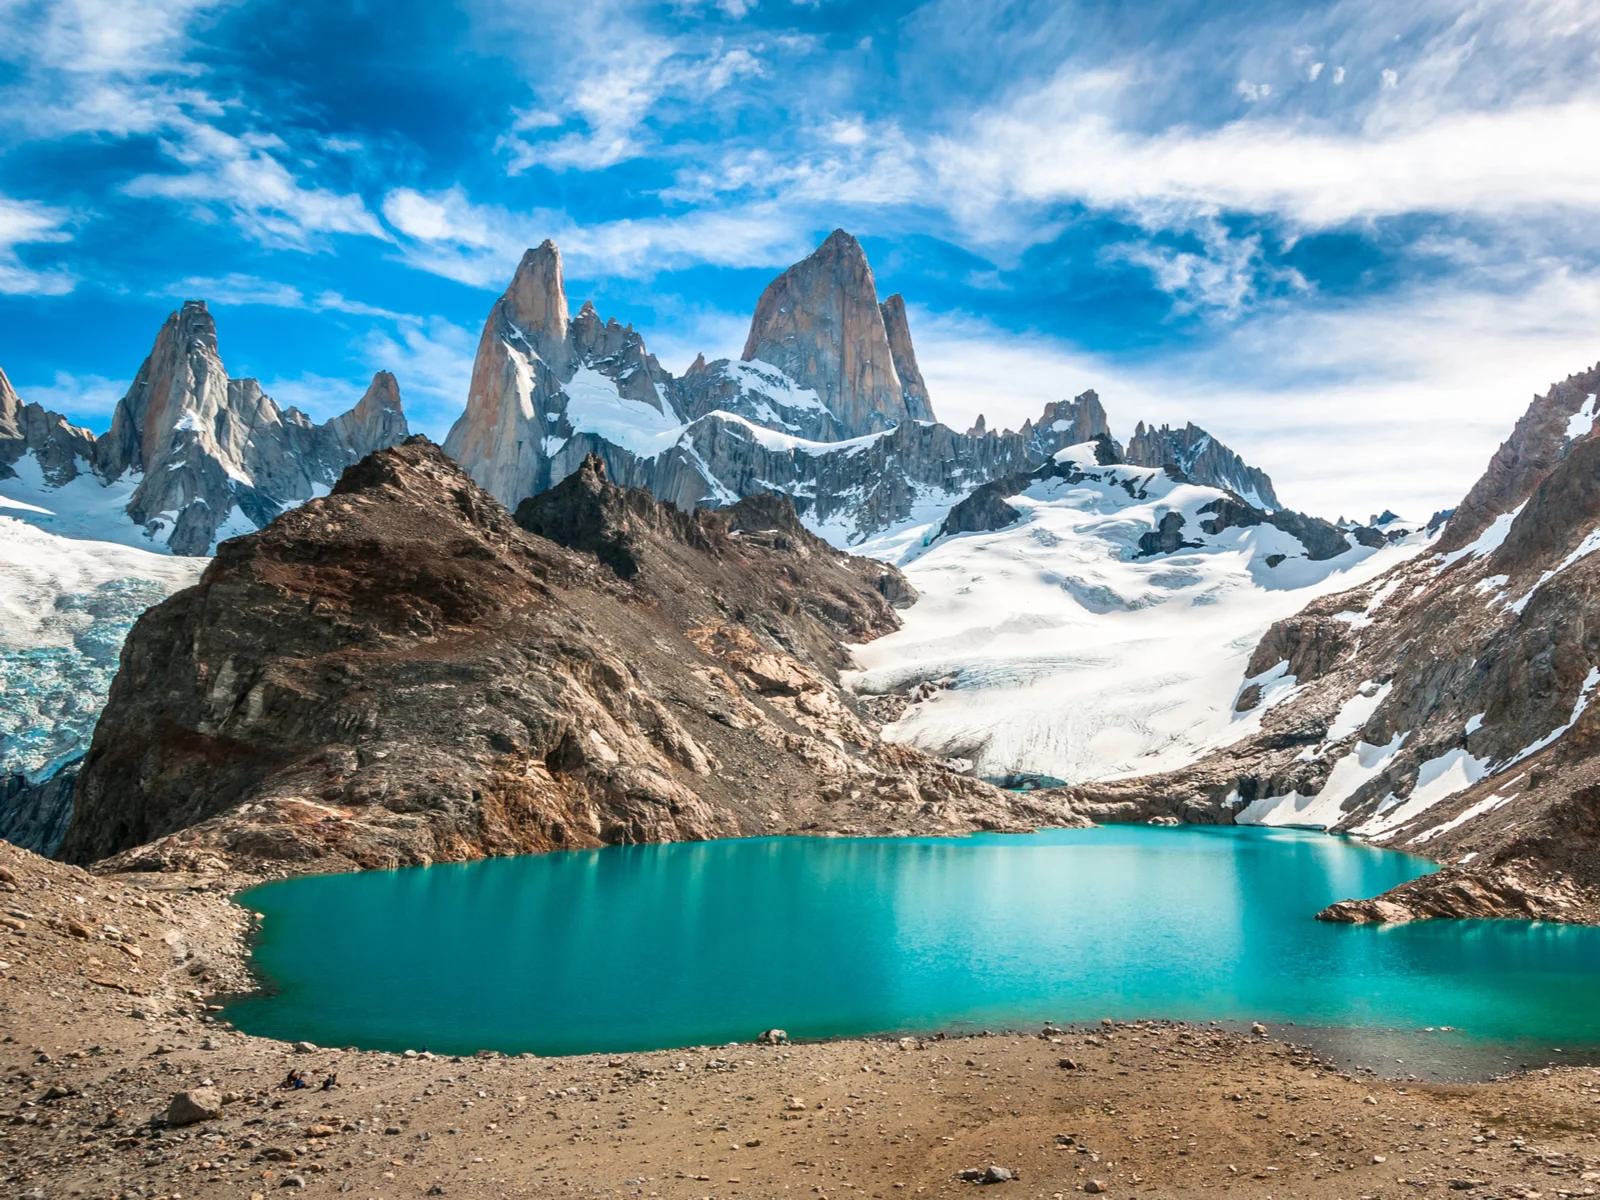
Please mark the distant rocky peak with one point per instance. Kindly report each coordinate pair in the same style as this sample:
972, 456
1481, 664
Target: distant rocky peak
536, 302
60, 448
820, 323
918, 406
1203, 459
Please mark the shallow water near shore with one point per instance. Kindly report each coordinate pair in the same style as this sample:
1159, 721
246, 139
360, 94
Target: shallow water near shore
644, 947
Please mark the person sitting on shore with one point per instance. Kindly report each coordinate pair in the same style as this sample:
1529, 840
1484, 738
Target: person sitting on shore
294, 1079
331, 1082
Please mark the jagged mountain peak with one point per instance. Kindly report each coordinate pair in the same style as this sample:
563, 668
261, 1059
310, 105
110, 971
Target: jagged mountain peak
1541, 438
536, 300
1202, 458
197, 456
820, 323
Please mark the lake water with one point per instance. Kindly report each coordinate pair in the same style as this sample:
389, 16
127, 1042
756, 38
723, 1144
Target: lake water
644, 947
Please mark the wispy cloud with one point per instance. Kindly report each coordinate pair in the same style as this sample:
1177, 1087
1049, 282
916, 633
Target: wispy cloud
446, 233
89, 398
24, 223
104, 68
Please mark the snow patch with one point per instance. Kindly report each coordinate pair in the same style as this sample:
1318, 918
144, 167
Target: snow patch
1437, 779
1353, 714
1581, 422
1486, 542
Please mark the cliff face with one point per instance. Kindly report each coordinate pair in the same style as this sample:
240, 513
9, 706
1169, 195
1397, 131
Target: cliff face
825, 362
217, 455
400, 672
821, 325
1444, 709
546, 389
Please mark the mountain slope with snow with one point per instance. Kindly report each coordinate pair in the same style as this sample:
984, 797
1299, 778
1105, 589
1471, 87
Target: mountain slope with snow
1068, 644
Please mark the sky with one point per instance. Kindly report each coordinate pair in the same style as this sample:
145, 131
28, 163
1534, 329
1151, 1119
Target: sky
1352, 239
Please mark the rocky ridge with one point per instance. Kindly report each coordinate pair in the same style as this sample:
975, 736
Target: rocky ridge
827, 405
1202, 458
1444, 708
400, 673
201, 455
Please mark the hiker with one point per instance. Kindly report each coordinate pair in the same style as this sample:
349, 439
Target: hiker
331, 1082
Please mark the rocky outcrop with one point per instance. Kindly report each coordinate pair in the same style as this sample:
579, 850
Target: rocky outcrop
61, 450
821, 325
1543, 435
1203, 459
399, 672
1503, 893
1445, 708
918, 406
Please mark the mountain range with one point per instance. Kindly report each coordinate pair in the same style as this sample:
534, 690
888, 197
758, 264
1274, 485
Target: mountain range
1124, 630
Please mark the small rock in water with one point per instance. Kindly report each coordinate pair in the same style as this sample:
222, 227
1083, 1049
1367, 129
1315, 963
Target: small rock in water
1259, 1029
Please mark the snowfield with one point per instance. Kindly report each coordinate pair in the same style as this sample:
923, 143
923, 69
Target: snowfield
1049, 648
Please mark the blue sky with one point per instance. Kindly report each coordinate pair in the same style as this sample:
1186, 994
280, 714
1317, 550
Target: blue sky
1351, 238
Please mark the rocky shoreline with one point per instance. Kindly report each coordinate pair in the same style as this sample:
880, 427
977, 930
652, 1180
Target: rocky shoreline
111, 1009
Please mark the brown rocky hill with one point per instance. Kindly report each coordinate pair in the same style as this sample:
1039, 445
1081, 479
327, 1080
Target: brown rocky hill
401, 673
1446, 708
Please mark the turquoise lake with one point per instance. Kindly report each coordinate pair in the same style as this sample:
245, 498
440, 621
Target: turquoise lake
643, 947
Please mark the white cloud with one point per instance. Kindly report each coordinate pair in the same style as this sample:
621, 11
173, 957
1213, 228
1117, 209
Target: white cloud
1062, 143
445, 233
23, 223
86, 397
239, 289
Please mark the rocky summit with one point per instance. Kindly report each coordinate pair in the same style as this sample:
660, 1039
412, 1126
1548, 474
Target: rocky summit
1443, 708
820, 323
826, 404
194, 456
400, 672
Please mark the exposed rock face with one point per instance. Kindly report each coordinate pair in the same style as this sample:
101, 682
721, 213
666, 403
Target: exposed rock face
821, 325
1446, 708
61, 449
206, 445
400, 673
1541, 438
825, 362
547, 390
35, 815
1203, 459
918, 406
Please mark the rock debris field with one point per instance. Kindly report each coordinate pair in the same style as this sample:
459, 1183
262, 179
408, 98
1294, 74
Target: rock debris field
109, 990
